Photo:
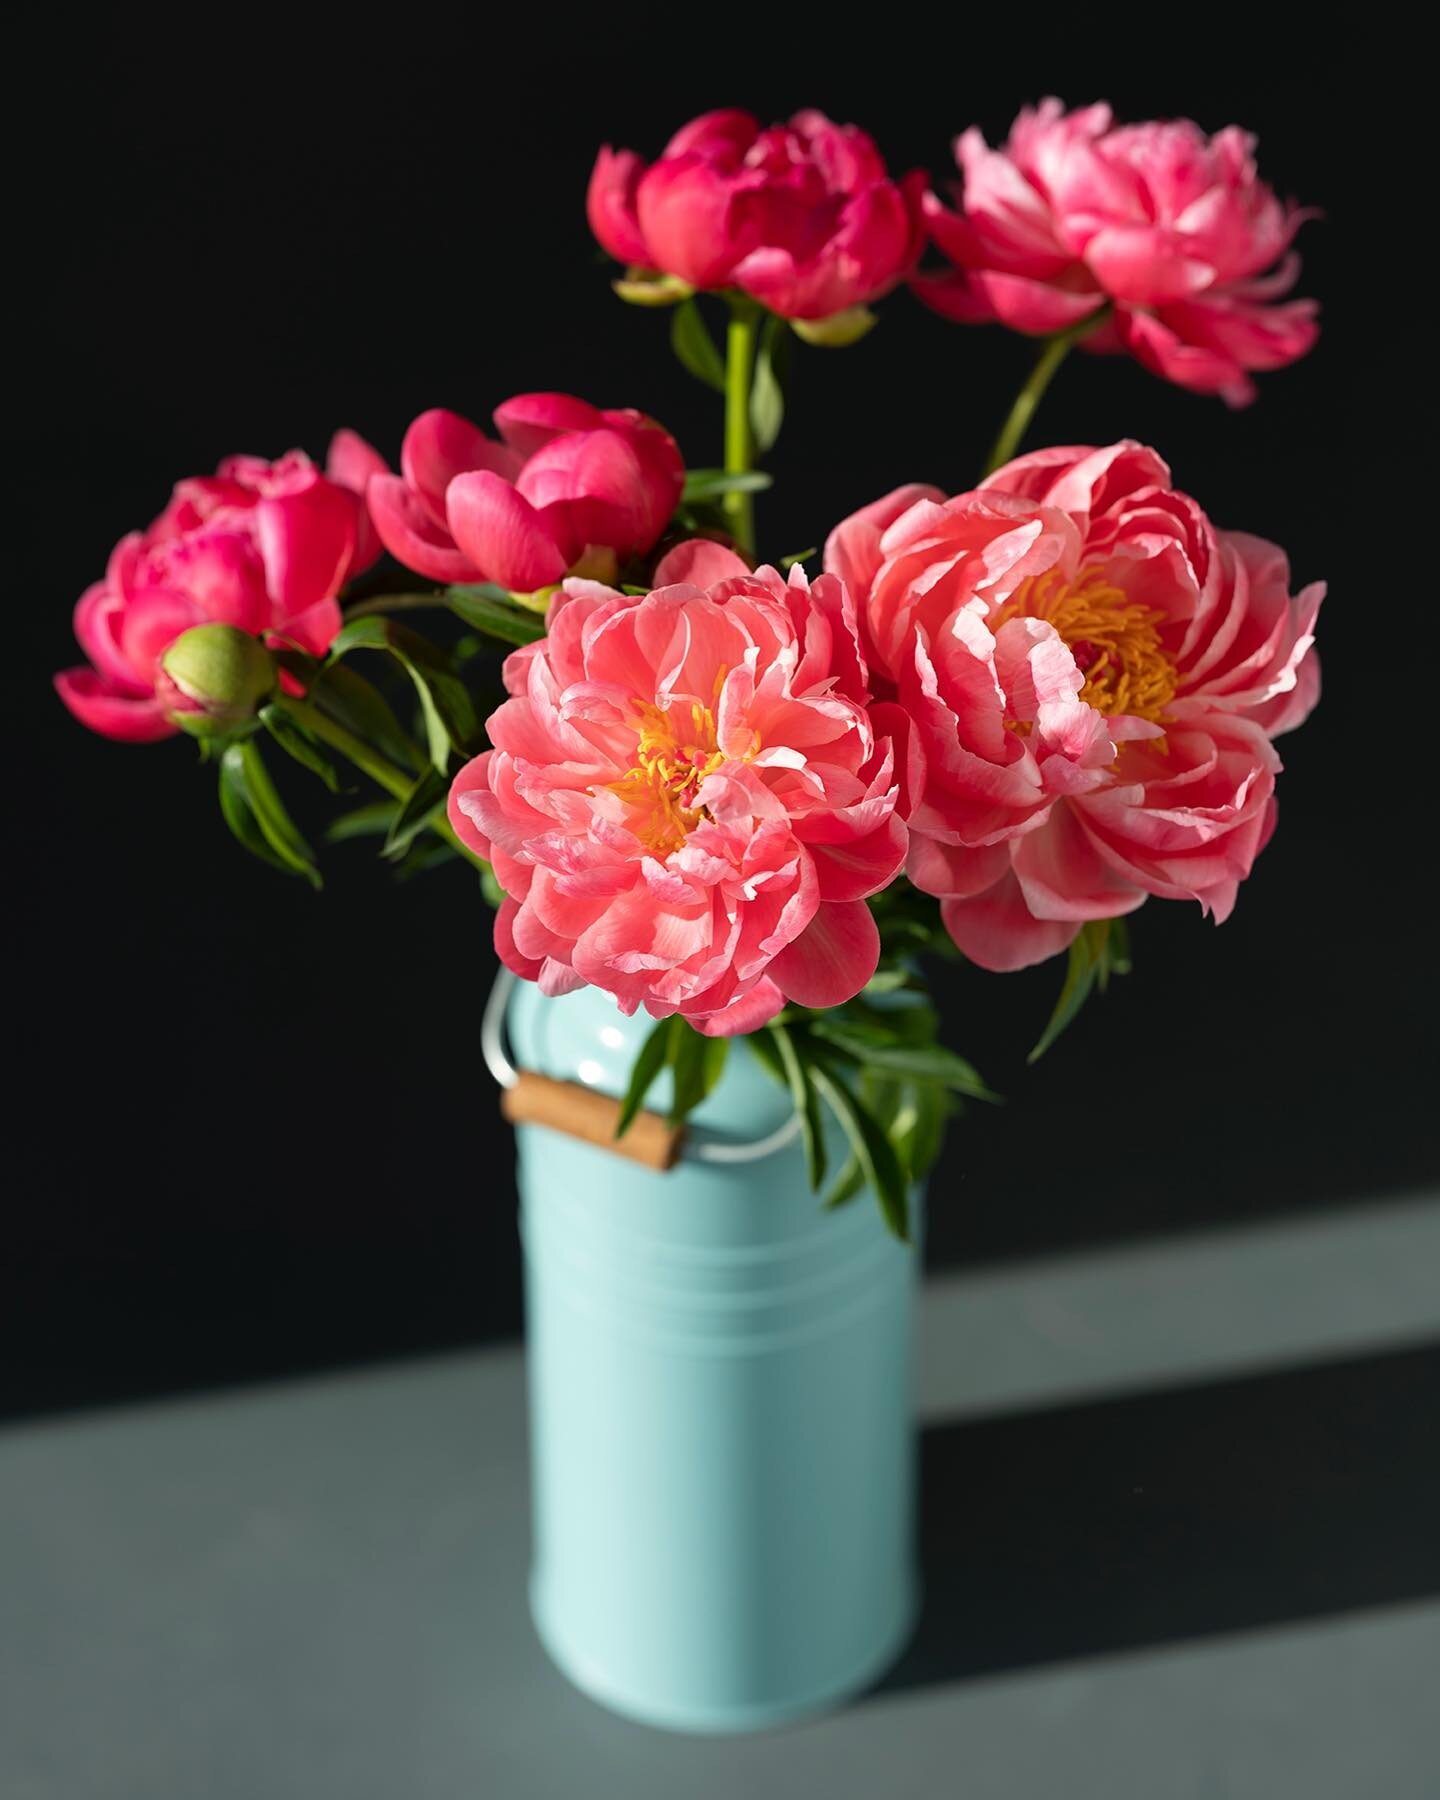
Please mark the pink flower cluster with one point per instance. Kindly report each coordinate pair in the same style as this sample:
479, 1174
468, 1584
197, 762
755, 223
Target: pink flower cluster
802, 217
1047, 699
1174, 231
1044, 700
265, 546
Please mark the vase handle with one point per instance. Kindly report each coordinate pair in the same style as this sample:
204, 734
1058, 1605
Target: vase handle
529, 1098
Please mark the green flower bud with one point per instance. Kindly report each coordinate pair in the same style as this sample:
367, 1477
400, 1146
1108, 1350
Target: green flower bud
220, 677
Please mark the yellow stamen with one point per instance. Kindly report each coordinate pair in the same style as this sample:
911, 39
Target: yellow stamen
1115, 641
675, 749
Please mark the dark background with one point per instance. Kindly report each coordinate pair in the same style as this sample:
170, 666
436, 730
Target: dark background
253, 1133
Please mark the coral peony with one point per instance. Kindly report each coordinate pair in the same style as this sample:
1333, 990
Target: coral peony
568, 485
688, 801
263, 546
1174, 229
803, 217
1095, 674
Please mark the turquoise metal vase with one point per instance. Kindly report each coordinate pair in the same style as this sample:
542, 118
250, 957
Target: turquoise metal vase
721, 1412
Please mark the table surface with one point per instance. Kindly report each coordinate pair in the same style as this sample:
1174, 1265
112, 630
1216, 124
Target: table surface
1179, 1531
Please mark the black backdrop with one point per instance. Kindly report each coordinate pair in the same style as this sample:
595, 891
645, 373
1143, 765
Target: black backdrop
253, 1132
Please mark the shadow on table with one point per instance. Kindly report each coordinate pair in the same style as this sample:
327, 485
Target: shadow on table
1105, 1526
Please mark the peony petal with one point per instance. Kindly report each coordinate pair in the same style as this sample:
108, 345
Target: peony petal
127, 717
350, 463
307, 540
474, 778
748, 1013
501, 533
441, 445
610, 205
833, 957
684, 207
411, 535
861, 867
1161, 350
999, 932
700, 562
852, 550
527, 422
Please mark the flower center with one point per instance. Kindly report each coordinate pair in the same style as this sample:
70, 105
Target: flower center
675, 749
1115, 641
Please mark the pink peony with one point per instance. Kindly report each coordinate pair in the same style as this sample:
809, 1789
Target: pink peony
688, 801
568, 485
1095, 674
1175, 229
263, 546
803, 217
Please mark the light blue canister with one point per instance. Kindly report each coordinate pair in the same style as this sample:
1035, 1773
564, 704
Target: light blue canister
721, 1412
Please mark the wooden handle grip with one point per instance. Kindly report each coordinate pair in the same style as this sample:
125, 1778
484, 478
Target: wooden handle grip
582, 1113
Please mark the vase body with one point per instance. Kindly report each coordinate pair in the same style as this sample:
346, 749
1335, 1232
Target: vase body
721, 1407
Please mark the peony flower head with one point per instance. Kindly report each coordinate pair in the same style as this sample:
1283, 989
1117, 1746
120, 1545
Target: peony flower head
688, 799
264, 546
1095, 675
566, 485
803, 217
1173, 229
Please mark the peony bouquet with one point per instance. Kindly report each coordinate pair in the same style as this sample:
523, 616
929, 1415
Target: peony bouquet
751, 796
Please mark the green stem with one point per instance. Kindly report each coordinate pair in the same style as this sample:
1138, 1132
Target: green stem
1052, 354
740, 343
388, 603
368, 760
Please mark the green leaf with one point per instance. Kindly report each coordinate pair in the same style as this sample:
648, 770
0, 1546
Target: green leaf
870, 1147
691, 341
767, 395
705, 484
918, 1131
798, 556
445, 702
762, 1046
423, 855
373, 820
360, 707
238, 813
654, 1053
1087, 960
1117, 953
247, 780
489, 608
807, 1104
490, 886
848, 1183
697, 1063
416, 810
931, 1063
717, 1054
888, 981
299, 744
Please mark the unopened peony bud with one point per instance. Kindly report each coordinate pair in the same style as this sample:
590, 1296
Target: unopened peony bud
220, 676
